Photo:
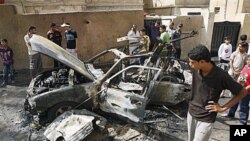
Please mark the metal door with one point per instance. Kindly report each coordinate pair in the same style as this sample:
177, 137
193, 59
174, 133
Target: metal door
221, 30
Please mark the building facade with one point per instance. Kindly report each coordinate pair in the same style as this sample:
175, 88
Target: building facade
98, 23
220, 18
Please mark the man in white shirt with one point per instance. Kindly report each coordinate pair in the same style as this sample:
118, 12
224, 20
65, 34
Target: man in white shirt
171, 29
225, 51
133, 44
35, 59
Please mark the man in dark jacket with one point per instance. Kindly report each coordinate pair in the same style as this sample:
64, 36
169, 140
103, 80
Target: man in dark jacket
55, 36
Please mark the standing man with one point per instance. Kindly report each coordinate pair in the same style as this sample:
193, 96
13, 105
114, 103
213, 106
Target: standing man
145, 42
166, 51
6, 54
171, 29
244, 80
164, 35
237, 63
225, 51
55, 36
35, 59
238, 60
154, 33
243, 38
71, 37
208, 83
133, 44
177, 44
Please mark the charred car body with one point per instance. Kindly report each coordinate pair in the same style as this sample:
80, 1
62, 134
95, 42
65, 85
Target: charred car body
123, 90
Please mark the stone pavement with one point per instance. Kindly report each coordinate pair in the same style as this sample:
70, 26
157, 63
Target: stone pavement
221, 130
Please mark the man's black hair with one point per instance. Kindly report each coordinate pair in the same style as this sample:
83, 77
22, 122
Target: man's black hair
227, 38
243, 37
4, 40
180, 25
143, 30
244, 44
171, 23
52, 24
200, 52
163, 26
31, 28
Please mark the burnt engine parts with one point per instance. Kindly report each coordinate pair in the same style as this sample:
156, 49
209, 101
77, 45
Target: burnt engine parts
57, 79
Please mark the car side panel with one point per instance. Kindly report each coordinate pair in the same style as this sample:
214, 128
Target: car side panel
75, 93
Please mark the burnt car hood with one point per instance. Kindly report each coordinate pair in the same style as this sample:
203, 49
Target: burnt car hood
47, 47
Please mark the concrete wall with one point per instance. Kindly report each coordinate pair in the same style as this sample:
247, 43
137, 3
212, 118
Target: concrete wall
158, 3
209, 32
160, 11
233, 11
182, 8
172, 7
190, 23
220, 15
108, 5
47, 6
205, 27
65, 6
192, 3
101, 32
245, 26
230, 10
175, 3
245, 6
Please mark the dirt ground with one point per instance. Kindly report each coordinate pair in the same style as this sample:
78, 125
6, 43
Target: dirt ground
15, 126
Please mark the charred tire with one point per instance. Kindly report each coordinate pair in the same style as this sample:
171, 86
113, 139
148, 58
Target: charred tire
60, 108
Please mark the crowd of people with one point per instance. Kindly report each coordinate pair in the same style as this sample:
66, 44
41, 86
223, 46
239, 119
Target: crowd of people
143, 38
35, 61
54, 34
209, 80
146, 38
239, 64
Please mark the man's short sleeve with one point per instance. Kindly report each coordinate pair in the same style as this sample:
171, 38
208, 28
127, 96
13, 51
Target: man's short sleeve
230, 84
232, 56
130, 33
75, 34
26, 39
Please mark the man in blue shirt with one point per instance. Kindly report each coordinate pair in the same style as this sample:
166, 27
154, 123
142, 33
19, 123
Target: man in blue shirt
71, 37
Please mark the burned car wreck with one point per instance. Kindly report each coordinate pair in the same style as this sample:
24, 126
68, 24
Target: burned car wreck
113, 87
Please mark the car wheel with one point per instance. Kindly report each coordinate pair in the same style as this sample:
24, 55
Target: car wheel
60, 108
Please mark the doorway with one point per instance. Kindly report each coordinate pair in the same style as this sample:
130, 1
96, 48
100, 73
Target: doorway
221, 30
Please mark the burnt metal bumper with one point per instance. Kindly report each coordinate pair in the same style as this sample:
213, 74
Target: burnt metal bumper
28, 107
